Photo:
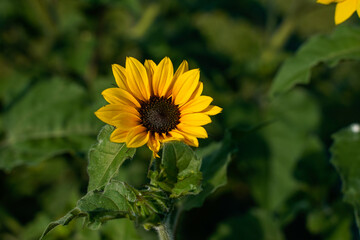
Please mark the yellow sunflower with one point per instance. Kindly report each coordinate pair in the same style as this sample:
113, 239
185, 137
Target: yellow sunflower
152, 105
344, 8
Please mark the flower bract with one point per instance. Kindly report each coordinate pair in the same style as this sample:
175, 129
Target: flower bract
344, 8
151, 104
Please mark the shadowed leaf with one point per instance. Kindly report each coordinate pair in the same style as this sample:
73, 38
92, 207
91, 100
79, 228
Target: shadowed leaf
105, 158
342, 44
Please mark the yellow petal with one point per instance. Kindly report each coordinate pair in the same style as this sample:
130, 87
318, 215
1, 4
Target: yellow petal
191, 140
185, 86
195, 131
325, 1
212, 110
117, 95
181, 136
197, 91
128, 109
137, 79
150, 69
154, 145
184, 67
120, 76
195, 119
108, 113
126, 121
344, 10
175, 134
118, 136
160, 136
358, 9
137, 137
162, 77
196, 105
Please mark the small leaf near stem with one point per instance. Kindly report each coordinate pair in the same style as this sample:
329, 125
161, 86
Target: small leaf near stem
164, 232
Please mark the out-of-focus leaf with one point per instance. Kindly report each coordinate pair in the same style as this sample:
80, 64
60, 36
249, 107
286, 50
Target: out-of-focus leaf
270, 227
246, 227
10, 92
214, 168
54, 117
342, 44
105, 158
342, 231
346, 159
256, 224
125, 229
287, 137
179, 170
223, 34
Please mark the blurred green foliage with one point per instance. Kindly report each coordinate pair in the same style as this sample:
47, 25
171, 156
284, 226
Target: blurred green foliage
56, 59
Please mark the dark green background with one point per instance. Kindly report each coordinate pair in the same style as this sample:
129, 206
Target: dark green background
56, 59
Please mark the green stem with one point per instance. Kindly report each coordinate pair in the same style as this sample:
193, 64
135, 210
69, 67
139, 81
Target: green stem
164, 232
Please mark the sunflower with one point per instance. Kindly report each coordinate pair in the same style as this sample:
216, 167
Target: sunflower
152, 105
344, 8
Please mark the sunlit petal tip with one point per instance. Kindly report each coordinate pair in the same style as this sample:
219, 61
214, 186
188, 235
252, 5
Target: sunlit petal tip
325, 1
137, 78
195, 119
185, 86
196, 105
107, 113
344, 10
163, 76
192, 141
212, 110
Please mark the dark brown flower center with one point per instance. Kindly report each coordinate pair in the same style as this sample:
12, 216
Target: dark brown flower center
159, 114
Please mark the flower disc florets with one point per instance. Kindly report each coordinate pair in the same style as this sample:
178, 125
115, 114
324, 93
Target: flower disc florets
159, 115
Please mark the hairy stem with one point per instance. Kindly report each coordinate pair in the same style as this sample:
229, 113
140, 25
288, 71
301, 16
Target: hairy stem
164, 232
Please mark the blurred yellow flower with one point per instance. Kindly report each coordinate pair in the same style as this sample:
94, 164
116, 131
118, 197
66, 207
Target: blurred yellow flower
344, 8
153, 105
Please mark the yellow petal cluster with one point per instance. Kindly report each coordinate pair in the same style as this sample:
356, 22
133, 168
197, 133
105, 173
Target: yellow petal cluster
137, 84
344, 8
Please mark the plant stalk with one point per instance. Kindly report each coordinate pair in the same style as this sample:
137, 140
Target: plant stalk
164, 232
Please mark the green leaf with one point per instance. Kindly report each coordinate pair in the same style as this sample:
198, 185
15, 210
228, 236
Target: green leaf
346, 159
105, 158
54, 117
179, 172
125, 229
214, 168
270, 226
73, 214
286, 139
119, 200
255, 224
342, 44
247, 226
